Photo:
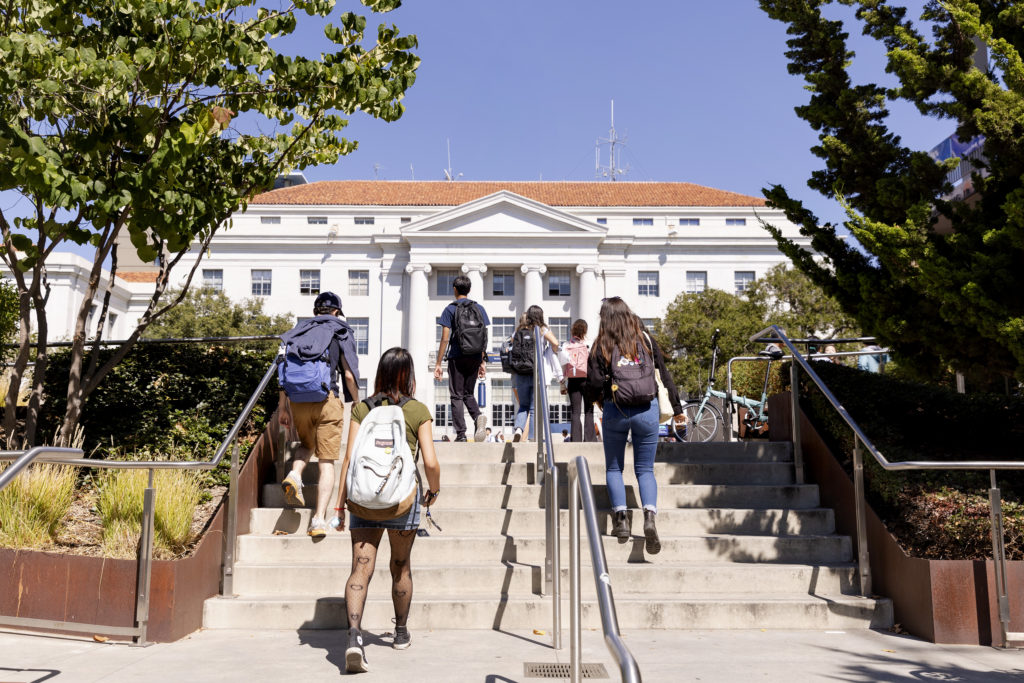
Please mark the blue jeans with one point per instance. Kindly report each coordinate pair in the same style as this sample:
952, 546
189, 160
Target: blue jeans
523, 386
616, 424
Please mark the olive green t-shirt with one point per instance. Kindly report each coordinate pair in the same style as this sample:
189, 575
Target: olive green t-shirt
415, 415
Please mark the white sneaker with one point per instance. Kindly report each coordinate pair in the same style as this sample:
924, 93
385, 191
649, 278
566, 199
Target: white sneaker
518, 435
317, 527
481, 428
292, 486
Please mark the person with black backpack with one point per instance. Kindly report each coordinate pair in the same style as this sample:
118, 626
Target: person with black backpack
464, 325
621, 370
522, 361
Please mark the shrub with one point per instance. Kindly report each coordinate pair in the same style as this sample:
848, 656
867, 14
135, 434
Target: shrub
120, 504
34, 504
936, 514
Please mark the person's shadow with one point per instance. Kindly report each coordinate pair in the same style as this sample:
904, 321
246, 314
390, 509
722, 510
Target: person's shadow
334, 642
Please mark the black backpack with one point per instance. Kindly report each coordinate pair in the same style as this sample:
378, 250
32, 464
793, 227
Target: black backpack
632, 380
468, 328
524, 346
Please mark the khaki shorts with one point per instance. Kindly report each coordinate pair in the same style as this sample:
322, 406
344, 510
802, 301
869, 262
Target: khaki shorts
319, 426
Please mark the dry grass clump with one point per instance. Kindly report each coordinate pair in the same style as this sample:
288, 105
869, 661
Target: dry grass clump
34, 504
121, 494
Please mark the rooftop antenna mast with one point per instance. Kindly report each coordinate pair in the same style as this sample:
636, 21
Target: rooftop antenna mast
612, 169
449, 174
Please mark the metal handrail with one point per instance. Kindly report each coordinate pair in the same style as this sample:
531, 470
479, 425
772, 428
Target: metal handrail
549, 481
581, 490
774, 334
144, 574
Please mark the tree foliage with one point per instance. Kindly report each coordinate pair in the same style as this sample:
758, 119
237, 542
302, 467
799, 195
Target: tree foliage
205, 312
938, 298
8, 317
159, 120
789, 299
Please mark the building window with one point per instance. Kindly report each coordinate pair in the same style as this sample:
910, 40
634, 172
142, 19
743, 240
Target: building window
689, 221
358, 283
442, 404
559, 410
643, 221
503, 403
560, 328
270, 220
261, 280
316, 220
445, 281
437, 326
696, 281
361, 331
559, 284
602, 221
501, 329
743, 280
503, 283
364, 220
309, 282
649, 323
363, 384
735, 221
647, 283
213, 279
406, 219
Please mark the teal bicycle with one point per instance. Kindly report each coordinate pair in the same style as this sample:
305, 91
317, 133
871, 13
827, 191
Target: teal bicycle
705, 419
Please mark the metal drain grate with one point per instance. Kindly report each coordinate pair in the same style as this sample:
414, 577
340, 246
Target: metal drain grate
553, 670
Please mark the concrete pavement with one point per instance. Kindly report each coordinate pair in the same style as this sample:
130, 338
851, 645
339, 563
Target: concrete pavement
498, 657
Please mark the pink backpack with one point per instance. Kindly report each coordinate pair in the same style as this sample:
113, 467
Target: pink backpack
578, 353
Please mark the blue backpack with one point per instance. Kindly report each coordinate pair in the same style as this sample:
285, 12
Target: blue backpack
305, 381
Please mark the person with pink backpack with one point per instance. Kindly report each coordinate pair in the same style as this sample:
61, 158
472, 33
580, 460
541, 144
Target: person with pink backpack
576, 354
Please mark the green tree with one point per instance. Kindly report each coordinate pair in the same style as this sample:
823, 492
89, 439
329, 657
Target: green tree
8, 317
205, 312
789, 299
939, 298
160, 119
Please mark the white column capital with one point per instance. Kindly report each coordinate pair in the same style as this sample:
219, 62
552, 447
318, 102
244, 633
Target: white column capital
467, 269
528, 268
595, 269
418, 268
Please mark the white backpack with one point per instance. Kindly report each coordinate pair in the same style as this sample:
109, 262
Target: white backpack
381, 480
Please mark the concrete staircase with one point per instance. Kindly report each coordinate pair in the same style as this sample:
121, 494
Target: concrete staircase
742, 547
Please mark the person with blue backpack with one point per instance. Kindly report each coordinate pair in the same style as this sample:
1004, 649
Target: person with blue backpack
463, 343
313, 355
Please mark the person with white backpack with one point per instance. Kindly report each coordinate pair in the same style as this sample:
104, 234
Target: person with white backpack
382, 491
575, 354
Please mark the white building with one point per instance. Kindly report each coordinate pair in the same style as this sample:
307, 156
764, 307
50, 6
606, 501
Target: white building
391, 249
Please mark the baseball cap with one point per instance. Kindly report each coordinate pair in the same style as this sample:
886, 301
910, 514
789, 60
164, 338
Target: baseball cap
328, 300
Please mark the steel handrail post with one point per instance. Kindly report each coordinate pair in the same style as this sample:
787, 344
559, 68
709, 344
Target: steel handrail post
999, 557
556, 563
863, 559
727, 403
575, 606
227, 588
144, 571
798, 449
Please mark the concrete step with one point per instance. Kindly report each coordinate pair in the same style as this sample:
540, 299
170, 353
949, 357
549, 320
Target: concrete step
522, 473
741, 451
678, 521
790, 496
443, 549
672, 610
316, 579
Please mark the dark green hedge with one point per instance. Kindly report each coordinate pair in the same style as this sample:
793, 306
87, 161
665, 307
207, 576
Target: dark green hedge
165, 401
935, 514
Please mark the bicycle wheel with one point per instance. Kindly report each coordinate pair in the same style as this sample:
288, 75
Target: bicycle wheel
703, 427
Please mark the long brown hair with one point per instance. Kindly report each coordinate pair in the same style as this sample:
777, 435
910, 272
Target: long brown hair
620, 328
534, 317
396, 376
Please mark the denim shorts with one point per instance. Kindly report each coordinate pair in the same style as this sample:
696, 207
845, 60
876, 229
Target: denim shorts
410, 520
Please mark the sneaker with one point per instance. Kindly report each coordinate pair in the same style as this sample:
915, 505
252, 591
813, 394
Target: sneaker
317, 527
518, 435
460, 439
292, 486
481, 428
355, 654
402, 638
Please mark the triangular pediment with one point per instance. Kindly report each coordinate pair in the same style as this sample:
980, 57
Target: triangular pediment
502, 213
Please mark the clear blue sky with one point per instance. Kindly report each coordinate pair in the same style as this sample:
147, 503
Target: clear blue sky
522, 90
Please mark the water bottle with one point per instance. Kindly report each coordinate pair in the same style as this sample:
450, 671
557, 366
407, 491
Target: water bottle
335, 522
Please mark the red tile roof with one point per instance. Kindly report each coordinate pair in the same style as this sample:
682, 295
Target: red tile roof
441, 193
138, 276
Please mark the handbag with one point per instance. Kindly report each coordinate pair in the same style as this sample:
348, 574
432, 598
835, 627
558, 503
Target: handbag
665, 411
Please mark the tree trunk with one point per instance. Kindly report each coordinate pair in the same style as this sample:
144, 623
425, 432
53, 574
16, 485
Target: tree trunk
38, 376
13, 439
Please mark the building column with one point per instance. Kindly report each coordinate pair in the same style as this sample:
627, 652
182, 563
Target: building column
419, 327
476, 280
590, 294
533, 288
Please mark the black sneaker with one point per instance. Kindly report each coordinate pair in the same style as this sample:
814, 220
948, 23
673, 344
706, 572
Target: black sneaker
460, 438
402, 638
355, 655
